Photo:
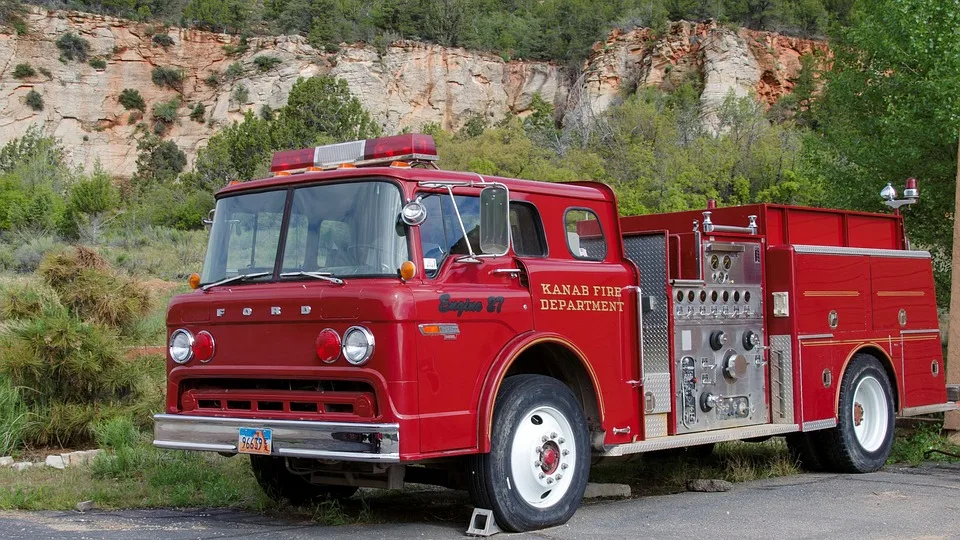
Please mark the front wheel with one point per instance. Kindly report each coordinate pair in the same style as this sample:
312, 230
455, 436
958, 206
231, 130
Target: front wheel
863, 437
539, 460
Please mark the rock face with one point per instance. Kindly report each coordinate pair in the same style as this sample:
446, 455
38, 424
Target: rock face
406, 86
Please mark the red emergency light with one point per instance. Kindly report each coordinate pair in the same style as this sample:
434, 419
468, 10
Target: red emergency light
385, 150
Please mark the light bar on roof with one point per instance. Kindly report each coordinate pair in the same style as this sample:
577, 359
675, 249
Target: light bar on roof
411, 147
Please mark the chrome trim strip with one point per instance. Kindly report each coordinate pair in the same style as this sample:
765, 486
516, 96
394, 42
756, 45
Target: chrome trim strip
692, 439
926, 331
929, 409
840, 250
814, 336
814, 425
378, 443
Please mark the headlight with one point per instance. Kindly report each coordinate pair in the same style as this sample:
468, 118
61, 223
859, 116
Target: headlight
181, 346
357, 345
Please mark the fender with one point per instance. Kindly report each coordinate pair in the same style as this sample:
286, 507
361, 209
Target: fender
885, 361
499, 367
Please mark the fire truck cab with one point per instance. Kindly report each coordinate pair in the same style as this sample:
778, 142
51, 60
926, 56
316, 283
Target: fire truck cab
365, 319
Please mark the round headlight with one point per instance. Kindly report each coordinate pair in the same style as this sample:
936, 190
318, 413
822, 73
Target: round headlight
357, 345
181, 346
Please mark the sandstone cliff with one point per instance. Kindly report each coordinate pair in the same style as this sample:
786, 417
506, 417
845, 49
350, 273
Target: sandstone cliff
406, 86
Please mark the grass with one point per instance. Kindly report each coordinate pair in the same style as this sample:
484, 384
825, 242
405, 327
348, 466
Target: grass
921, 442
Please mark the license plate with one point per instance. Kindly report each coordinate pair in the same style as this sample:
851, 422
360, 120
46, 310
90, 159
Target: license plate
255, 441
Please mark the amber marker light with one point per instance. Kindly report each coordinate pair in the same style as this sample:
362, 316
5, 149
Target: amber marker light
407, 270
194, 280
400, 165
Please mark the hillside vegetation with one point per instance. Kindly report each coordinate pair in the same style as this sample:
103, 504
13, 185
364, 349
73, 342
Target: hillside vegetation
562, 30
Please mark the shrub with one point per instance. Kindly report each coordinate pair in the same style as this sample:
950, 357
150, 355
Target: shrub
22, 71
73, 47
28, 255
164, 114
34, 100
214, 79
27, 300
241, 94
241, 47
234, 71
166, 77
162, 40
131, 99
46, 72
266, 63
13, 418
134, 117
98, 63
91, 290
198, 112
266, 112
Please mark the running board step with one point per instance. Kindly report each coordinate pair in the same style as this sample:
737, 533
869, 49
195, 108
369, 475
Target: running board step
694, 439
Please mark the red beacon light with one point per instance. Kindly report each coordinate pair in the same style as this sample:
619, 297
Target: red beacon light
911, 191
383, 151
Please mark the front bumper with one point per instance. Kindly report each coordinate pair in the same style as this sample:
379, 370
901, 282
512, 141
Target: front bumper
344, 441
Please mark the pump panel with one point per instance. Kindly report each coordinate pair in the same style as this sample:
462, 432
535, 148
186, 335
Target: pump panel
719, 362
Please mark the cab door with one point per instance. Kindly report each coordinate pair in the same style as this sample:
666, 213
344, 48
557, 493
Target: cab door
466, 312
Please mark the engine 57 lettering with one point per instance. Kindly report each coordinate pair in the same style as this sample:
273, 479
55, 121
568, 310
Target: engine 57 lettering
460, 306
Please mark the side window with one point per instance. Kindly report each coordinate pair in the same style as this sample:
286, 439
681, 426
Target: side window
526, 230
440, 233
584, 234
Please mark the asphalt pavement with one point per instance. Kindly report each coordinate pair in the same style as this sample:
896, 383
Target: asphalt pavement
898, 502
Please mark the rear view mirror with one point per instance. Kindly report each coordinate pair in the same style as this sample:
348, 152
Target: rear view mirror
494, 220
208, 221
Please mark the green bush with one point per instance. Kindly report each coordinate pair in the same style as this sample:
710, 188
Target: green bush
93, 291
98, 63
13, 418
34, 100
29, 254
164, 114
23, 71
26, 300
166, 77
198, 112
46, 73
73, 47
234, 71
162, 40
130, 98
240, 94
214, 79
266, 63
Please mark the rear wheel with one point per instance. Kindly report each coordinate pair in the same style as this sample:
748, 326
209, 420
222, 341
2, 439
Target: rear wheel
279, 483
539, 460
863, 437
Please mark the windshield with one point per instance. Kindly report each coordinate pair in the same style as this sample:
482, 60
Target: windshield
348, 229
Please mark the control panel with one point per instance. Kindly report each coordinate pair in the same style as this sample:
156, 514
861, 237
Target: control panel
719, 364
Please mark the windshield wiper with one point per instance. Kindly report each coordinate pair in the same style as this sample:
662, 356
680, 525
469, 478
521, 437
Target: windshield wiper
231, 279
325, 276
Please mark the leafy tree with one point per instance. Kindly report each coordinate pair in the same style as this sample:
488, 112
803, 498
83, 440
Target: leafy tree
321, 106
91, 206
891, 110
158, 162
218, 15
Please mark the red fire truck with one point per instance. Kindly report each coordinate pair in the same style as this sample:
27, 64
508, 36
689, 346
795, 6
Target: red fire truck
365, 319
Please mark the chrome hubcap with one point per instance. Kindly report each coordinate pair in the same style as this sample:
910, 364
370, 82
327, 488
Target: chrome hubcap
541, 476
870, 414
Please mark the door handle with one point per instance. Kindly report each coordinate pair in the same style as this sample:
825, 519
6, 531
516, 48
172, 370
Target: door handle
512, 272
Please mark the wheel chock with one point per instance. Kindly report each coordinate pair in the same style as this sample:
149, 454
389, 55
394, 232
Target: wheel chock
482, 523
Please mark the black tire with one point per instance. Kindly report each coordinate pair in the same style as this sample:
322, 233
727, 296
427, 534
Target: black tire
841, 449
804, 450
279, 483
493, 484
